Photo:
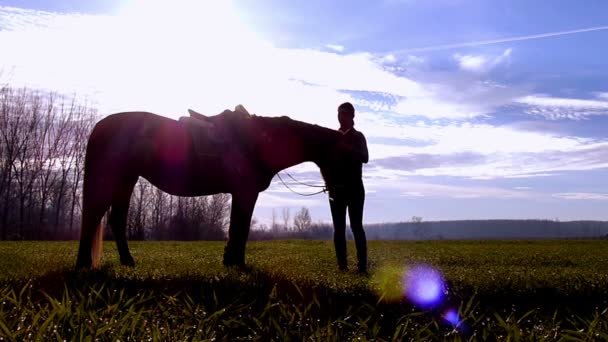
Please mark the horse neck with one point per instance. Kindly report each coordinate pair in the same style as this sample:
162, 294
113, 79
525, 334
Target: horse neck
296, 143
314, 142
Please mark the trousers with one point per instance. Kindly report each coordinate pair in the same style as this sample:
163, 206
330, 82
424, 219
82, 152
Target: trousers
351, 198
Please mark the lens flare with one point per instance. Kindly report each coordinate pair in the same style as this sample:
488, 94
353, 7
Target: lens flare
388, 283
424, 286
451, 316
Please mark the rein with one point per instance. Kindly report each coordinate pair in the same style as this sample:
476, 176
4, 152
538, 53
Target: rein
324, 189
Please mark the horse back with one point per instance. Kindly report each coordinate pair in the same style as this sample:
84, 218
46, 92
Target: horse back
156, 148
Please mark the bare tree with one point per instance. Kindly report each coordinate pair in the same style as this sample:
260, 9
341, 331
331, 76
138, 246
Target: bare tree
302, 220
274, 226
286, 215
43, 140
82, 126
138, 213
418, 228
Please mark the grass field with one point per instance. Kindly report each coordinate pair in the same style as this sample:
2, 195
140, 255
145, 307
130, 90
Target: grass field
291, 290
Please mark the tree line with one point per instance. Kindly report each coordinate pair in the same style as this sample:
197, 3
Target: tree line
43, 139
42, 144
416, 229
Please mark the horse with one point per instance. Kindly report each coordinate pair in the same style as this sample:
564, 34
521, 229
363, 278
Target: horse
125, 146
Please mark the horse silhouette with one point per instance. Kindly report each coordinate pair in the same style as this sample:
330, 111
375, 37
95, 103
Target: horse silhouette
125, 146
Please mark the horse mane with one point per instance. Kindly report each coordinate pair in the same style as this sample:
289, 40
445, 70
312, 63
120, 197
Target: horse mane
301, 126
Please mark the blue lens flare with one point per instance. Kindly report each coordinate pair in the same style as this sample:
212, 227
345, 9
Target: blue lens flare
451, 316
424, 286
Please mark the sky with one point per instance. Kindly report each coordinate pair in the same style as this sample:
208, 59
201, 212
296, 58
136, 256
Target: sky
472, 109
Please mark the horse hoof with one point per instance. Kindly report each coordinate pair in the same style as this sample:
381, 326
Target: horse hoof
127, 262
228, 262
83, 265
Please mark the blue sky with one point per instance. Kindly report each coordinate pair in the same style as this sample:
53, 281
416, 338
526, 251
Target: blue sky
472, 109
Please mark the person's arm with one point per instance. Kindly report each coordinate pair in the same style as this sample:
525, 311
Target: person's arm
362, 147
356, 149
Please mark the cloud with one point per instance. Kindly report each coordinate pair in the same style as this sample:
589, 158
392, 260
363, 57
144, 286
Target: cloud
550, 161
456, 96
582, 196
481, 63
130, 62
425, 189
555, 108
272, 200
211, 69
424, 161
471, 63
335, 47
210, 66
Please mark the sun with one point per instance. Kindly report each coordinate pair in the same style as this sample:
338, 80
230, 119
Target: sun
193, 49
183, 21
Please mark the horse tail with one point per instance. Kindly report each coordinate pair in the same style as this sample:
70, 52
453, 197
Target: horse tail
97, 246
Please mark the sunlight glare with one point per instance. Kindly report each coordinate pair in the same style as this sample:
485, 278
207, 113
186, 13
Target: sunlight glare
201, 48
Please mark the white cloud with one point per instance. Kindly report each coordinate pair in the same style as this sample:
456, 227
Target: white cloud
471, 63
582, 196
555, 108
563, 102
131, 62
423, 189
482, 152
602, 95
481, 63
412, 60
204, 64
272, 200
457, 97
335, 47
389, 59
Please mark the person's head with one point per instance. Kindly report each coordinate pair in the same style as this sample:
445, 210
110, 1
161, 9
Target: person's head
346, 115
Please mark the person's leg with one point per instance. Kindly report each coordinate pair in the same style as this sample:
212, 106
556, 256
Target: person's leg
356, 202
338, 215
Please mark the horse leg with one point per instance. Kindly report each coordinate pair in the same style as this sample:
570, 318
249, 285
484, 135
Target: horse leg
238, 231
96, 200
118, 219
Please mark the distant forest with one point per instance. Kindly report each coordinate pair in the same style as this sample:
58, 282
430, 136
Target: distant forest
487, 229
42, 148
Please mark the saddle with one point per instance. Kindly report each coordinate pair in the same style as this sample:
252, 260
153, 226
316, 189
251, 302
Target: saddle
209, 134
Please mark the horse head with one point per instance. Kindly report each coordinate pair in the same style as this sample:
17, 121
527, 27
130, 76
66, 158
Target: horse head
277, 143
283, 142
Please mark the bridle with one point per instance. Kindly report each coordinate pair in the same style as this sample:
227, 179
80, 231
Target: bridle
323, 187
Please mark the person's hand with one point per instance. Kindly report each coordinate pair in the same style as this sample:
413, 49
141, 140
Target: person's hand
343, 146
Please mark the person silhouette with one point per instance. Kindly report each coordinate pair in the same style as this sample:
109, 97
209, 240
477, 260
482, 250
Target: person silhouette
347, 190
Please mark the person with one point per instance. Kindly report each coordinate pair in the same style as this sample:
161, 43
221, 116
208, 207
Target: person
346, 191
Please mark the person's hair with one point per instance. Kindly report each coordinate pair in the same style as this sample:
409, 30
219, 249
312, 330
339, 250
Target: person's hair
348, 108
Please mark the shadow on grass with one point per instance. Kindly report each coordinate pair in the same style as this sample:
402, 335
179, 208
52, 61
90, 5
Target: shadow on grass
249, 299
256, 287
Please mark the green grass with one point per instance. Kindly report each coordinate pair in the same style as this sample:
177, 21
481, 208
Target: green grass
539, 290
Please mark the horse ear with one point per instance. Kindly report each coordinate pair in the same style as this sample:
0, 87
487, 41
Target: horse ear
241, 109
